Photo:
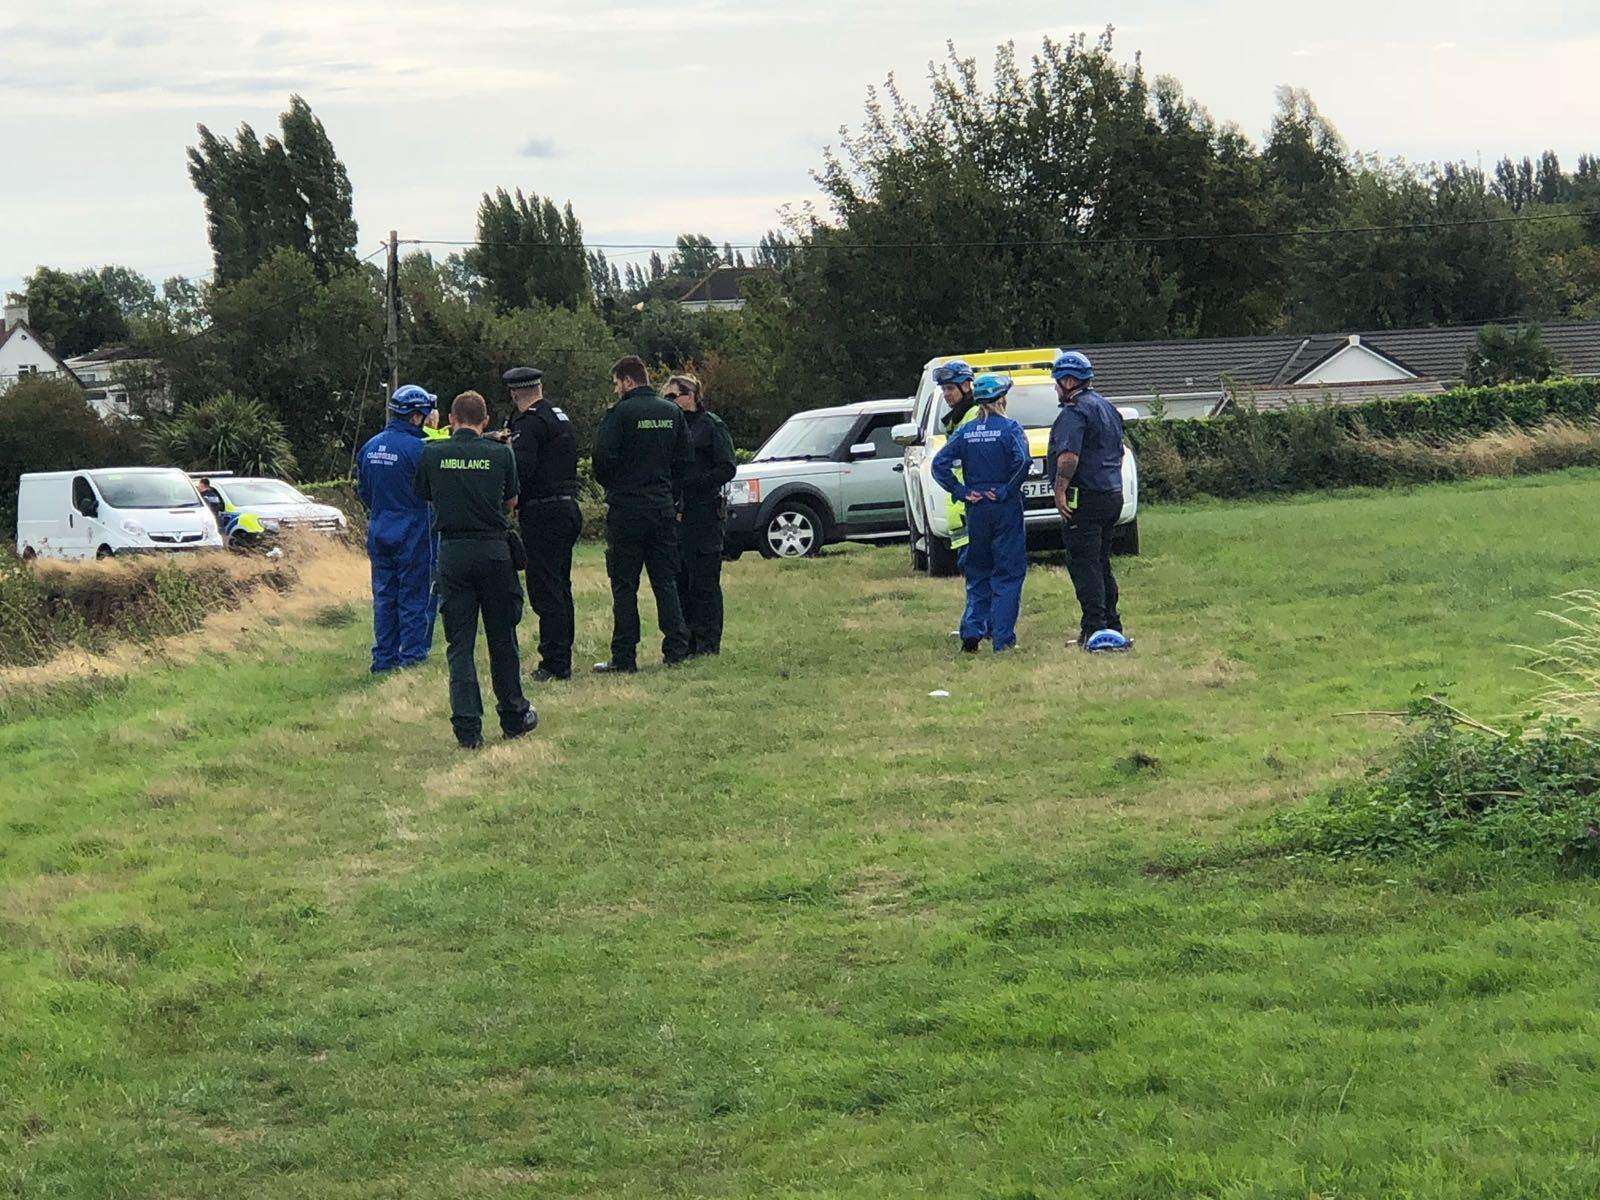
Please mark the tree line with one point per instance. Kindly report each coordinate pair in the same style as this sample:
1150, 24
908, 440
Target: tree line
1062, 197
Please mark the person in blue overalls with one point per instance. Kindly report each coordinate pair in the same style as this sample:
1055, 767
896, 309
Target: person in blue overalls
399, 534
992, 452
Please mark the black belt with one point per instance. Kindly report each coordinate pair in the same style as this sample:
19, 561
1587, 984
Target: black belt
550, 499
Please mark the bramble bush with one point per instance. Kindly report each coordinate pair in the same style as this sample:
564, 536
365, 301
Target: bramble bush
1530, 793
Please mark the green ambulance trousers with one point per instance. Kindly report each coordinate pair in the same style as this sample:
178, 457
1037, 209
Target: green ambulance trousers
475, 576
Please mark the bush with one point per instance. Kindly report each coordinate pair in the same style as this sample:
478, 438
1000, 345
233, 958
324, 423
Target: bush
48, 425
1252, 452
225, 433
1527, 794
49, 607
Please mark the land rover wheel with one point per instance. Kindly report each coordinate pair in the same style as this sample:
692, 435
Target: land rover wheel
792, 530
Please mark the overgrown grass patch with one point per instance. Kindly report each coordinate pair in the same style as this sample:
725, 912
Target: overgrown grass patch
783, 924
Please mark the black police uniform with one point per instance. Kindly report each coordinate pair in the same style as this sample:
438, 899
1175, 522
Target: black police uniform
641, 454
1090, 426
711, 465
547, 511
468, 479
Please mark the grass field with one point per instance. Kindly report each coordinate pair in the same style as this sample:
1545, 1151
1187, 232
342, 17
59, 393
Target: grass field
784, 925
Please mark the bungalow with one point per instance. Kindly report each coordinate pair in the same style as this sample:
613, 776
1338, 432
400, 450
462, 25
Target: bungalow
722, 289
1200, 376
105, 377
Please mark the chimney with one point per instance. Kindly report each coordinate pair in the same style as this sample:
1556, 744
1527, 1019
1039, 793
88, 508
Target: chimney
16, 311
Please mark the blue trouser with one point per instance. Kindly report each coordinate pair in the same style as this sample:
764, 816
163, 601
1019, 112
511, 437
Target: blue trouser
995, 564
401, 551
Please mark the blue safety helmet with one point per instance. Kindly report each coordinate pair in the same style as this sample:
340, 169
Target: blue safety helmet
1072, 365
1107, 641
990, 388
954, 371
412, 399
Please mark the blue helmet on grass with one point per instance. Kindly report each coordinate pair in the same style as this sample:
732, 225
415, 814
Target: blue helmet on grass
1107, 641
1074, 364
990, 388
412, 399
954, 371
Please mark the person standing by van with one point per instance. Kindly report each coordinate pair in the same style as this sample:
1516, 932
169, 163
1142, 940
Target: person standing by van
399, 540
992, 452
1086, 453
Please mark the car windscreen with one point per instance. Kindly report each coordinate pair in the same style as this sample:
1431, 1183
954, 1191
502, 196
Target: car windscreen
245, 492
806, 437
146, 489
1031, 405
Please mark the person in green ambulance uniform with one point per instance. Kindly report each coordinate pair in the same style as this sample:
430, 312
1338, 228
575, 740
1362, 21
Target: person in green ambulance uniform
471, 481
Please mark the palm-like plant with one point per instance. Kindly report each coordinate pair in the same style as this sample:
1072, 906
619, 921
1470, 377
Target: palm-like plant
225, 433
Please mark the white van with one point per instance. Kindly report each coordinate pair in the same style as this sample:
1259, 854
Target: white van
119, 510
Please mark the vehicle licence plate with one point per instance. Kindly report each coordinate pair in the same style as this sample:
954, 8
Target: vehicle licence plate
1034, 489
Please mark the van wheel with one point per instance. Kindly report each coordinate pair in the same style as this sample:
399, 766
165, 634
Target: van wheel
103, 552
941, 558
1125, 538
29, 554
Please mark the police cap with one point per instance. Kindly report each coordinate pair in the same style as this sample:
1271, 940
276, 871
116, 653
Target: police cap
522, 377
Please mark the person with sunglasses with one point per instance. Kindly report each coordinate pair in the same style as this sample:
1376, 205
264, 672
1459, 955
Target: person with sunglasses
702, 510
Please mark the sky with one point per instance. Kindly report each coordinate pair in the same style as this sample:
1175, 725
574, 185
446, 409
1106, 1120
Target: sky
683, 115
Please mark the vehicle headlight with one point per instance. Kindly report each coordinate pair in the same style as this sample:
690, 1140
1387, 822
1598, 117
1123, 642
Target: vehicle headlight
271, 522
339, 518
133, 527
744, 491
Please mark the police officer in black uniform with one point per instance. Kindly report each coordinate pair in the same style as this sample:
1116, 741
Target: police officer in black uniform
547, 511
641, 454
701, 516
471, 482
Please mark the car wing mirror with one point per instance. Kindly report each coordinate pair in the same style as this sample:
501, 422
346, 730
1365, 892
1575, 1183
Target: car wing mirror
863, 450
907, 434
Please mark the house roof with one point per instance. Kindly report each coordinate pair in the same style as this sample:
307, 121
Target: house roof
1339, 393
723, 284
107, 354
1199, 365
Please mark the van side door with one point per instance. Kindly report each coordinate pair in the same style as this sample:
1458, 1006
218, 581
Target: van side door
82, 520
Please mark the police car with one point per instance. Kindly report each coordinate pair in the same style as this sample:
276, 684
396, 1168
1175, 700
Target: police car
1032, 403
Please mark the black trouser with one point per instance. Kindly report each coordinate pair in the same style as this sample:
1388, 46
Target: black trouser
644, 537
475, 575
1087, 537
550, 529
700, 577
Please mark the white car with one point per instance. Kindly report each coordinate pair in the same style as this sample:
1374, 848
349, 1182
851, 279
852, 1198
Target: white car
1032, 402
280, 505
117, 510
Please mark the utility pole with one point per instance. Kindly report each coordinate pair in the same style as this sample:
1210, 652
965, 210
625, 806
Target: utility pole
391, 305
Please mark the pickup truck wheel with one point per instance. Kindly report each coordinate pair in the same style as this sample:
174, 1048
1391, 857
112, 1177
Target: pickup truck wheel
919, 557
792, 530
103, 552
941, 558
1125, 538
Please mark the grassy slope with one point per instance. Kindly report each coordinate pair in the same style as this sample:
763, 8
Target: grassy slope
783, 925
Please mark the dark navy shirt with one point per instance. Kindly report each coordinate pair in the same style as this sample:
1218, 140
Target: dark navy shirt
1090, 427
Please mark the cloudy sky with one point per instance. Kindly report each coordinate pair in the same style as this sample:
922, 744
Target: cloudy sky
702, 115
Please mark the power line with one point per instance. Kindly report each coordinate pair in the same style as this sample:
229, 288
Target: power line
997, 243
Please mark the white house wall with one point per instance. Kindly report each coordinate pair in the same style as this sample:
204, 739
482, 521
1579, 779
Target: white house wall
1354, 364
22, 350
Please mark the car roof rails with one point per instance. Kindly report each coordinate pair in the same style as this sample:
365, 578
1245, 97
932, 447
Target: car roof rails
208, 474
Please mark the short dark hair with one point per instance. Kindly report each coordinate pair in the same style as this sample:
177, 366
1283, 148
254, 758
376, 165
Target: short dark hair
630, 368
469, 408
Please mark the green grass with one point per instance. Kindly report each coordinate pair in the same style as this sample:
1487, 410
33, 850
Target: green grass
783, 925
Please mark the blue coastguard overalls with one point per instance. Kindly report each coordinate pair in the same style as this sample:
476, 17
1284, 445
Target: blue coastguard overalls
400, 545
993, 454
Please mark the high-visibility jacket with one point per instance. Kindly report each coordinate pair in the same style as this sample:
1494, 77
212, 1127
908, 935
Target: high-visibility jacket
955, 511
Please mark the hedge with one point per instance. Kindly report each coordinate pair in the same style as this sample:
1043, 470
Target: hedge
1309, 446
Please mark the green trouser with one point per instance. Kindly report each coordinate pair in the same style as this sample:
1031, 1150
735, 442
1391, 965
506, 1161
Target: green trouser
475, 575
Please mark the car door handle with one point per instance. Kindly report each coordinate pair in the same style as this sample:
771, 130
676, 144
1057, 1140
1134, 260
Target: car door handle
899, 466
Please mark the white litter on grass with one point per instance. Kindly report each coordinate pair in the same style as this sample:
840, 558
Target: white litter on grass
941, 694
